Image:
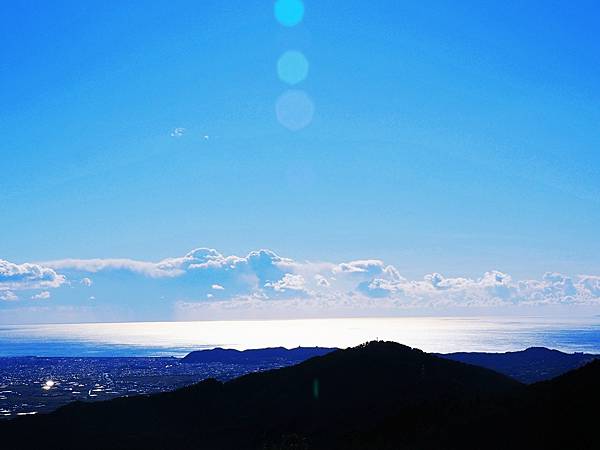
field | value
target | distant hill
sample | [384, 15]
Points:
[528, 366]
[326, 402]
[256, 356]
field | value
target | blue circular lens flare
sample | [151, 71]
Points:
[289, 12]
[292, 67]
[294, 110]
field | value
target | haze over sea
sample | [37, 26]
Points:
[437, 334]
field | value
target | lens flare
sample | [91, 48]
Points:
[289, 12]
[292, 67]
[294, 110]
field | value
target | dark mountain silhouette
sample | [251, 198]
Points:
[377, 396]
[256, 356]
[321, 402]
[557, 414]
[528, 366]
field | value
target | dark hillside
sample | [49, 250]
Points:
[527, 366]
[556, 414]
[377, 396]
[325, 402]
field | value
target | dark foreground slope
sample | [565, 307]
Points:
[380, 395]
[558, 414]
[527, 366]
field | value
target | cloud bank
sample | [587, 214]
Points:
[205, 281]
[28, 276]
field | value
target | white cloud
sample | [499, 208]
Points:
[321, 281]
[98, 265]
[288, 282]
[28, 276]
[178, 132]
[270, 275]
[369, 266]
[8, 296]
[591, 285]
[44, 295]
[215, 281]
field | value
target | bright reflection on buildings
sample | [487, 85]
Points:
[48, 385]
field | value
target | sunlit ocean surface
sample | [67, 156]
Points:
[178, 338]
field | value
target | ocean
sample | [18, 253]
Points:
[431, 334]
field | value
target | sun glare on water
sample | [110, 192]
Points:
[442, 335]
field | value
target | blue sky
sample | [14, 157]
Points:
[447, 137]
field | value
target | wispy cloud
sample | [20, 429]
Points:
[8, 296]
[92, 266]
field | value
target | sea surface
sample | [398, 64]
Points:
[437, 334]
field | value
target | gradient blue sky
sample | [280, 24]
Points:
[451, 137]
